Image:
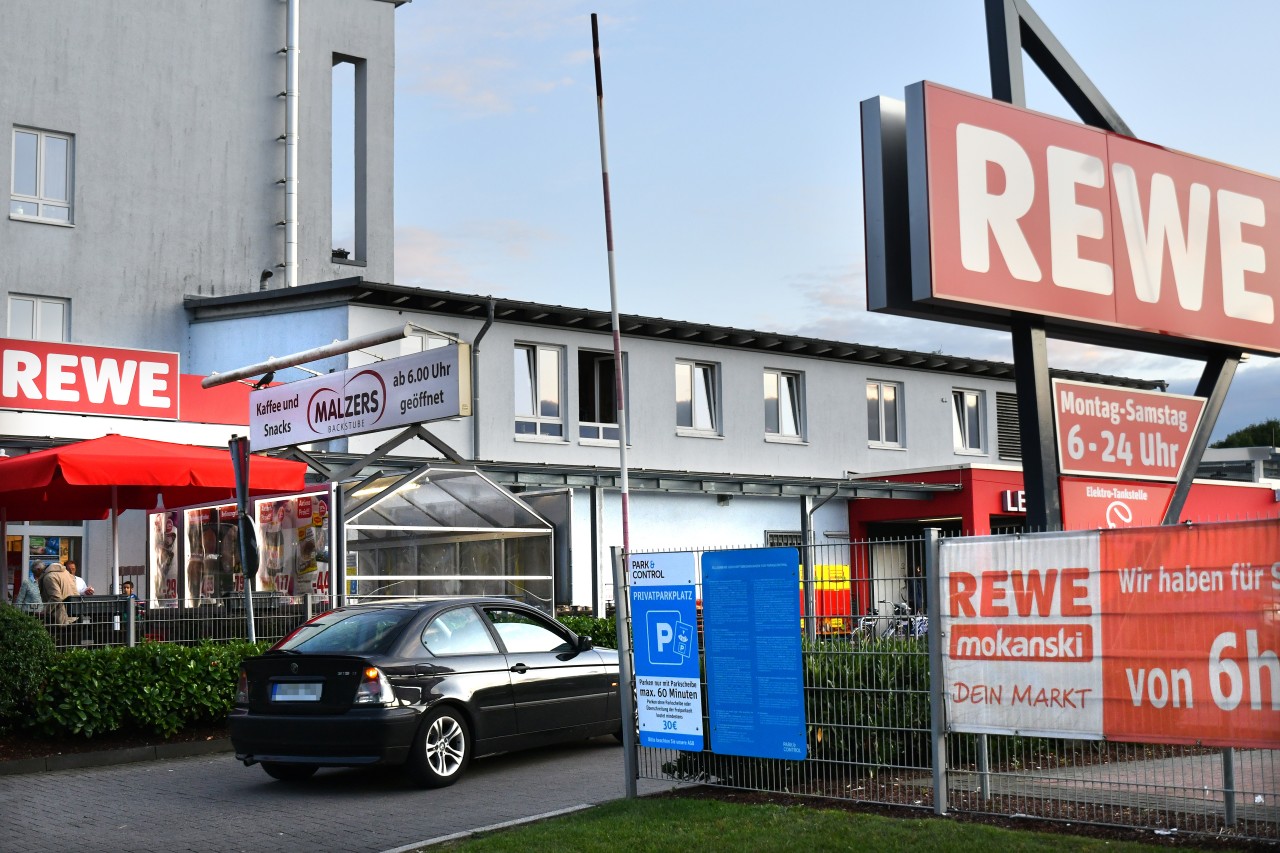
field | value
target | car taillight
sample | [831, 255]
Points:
[374, 688]
[242, 688]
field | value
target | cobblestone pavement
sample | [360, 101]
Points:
[213, 803]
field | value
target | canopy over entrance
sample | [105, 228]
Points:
[445, 531]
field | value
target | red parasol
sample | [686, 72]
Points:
[90, 479]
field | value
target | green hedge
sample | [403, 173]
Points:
[156, 688]
[26, 652]
[603, 632]
[866, 709]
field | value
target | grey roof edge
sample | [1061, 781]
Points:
[356, 290]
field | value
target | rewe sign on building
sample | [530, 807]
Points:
[46, 376]
[1014, 211]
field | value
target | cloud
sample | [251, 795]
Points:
[487, 57]
[425, 258]
[1254, 397]
[458, 260]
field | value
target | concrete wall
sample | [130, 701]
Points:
[175, 112]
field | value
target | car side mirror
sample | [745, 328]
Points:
[585, 644]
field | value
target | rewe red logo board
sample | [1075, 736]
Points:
[89, 380]
[1032, 213]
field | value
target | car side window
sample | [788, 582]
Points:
[458, 632]
[523, 632]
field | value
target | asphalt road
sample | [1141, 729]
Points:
[213, 803]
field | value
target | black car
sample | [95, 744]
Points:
[428, 684]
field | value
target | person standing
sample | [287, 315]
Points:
[56, 586]
[82, 588]
[29, 594]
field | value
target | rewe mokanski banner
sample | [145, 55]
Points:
[1159, 634]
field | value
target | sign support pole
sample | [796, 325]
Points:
[1035, 423]
[1215, 381]
[626, 680]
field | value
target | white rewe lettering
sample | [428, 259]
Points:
[20, 372]
[1239, 257]
[982, 212]
[151, 384]
[58, 375]
[1163, 228]
[1068, 168]
[108, 375]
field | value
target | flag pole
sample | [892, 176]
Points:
[619, 391]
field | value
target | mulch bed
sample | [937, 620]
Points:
[24, 745]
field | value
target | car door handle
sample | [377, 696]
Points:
[520, 668]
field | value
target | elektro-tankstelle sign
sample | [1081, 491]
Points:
[425, 386]
[1009, 211]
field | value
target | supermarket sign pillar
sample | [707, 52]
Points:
[979, 211]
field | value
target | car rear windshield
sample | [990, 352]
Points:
[350, 632]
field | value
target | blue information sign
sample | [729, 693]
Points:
[755, 675]
[664, 630]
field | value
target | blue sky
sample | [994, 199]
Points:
[734, 149]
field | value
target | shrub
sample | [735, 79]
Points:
[603, 632]
[152, 687]
[26, 652]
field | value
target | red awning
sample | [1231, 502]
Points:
[75, 481]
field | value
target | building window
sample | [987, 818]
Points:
[696, 397]
[347, 164]
[783, 409]
[884, 414]
[538, 384]
[41, 176]
[966, 420]
[39, 318]
[597, 395]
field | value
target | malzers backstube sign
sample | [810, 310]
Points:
[428, 386]
[1009, 211]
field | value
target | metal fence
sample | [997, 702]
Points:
[117, 621]
[870, 729]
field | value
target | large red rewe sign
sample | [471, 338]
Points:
[1030, 213]
[91, 380]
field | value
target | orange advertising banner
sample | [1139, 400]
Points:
[1152, 635]
[1191, 633]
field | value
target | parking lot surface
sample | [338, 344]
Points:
[213, 803]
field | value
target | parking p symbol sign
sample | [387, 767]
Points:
[662, 637]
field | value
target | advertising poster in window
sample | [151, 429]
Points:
[213, 554]
[1158, 635]
[164, 555]
[291, 533]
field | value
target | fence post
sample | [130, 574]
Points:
[984, 767]
[622, 616]
[308, 598]
[1229, 786]
[937, 701]
[806, 562]
[131, 635]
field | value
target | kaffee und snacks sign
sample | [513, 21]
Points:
[1159, 634]
[1022, 212]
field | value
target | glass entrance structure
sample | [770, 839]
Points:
[444, 531]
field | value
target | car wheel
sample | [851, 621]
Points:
[441, 750]
[289, 772]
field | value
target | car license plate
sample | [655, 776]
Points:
[296, 691]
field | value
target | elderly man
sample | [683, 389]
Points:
[56, 586]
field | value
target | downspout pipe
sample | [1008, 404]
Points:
[291, 148]
[475, 378]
